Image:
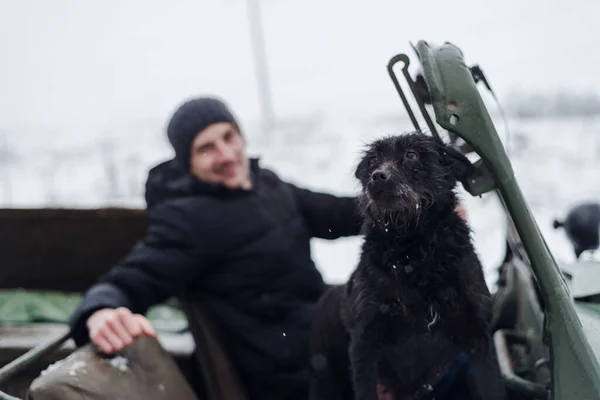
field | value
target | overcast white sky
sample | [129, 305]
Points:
[73, 65]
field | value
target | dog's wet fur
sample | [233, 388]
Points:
[418, 297]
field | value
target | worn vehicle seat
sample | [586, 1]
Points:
[143, 370]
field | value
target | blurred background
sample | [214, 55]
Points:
[86, 89]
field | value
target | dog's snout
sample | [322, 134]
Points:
[380, 175]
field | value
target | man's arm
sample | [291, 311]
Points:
[156, 269]
[329, 216]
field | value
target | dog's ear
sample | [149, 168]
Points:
[456, 162]
[361, 168]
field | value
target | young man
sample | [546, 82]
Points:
[226, 231]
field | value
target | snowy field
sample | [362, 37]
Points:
[86, 88]
[555, 161]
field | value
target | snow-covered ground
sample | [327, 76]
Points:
[555, 161]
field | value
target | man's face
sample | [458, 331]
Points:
[218, 156]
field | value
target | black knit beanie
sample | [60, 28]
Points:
[191, 118]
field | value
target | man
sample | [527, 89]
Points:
[224, 230]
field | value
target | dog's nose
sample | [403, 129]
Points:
[380, 175]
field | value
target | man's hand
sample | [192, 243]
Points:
[113, 329]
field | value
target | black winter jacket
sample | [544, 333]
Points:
[247, 254]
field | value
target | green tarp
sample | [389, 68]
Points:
[22, 306]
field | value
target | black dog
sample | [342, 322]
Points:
[581, 226]
[414, 318]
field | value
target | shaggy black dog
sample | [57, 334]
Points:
[413, 321]
[581, 226]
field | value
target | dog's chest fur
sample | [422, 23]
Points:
[409, 286]
[418, 301]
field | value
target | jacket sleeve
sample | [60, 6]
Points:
[329, 216]
[157, 268]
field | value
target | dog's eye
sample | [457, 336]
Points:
[372, 161]
[411, 155]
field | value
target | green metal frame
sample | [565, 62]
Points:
[459, 108]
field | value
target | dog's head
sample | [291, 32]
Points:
[408, 173]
